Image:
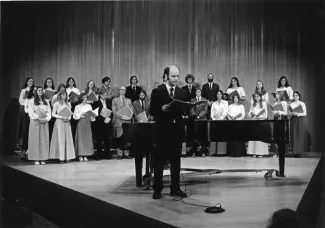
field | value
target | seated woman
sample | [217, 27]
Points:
[258, 111]
[298, 113]
[219, 111]
[236, 111]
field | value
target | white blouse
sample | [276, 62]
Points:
[74, 89]
[296, 103]
[240, 90]
[32, 110]
[285, 107]
[219, 110]
[57, 107]
[255, 110]
[80, 109]
[288, 89]
[265, 98]
[235, 109]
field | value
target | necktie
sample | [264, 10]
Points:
[190, 87]
[123, 102]
[142, 105]
[210, 86]
[171, 92]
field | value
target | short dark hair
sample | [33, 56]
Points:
[101, 91]
[81, 97]
[105, 79]
[166, 71]
[189, 76]
[296, 92]
[198, 88]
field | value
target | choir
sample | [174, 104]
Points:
[63, 123]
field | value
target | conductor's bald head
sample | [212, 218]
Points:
[172, 74]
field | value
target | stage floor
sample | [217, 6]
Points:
[248, 198]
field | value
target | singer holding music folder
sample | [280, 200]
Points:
[38, 138]
[297, 112]
[169, 132]
[62, 147]
[103, 124]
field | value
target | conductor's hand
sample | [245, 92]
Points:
[165, 107]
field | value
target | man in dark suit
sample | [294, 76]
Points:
[189, 88]
[209, 92]
[102, 126]
[170, 132]
[133, 91]
[164, 77]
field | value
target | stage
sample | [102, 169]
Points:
[248, 198]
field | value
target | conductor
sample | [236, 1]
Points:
[170, 132]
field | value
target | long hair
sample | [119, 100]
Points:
[87, 87]
[45, 83]
[132, 77]
[236, 79]
[31, 91]
[67, 83]
[296, 92]
[263, 91]
[36, 97]
[279, 82]
[233, 99]
[255, 102]
[60, 99]
[59, 88]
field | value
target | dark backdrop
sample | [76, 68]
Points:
[86, 40]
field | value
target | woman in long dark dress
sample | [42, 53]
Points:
[298, 126]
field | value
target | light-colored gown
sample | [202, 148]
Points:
[83, 140]
[258, 147]
[242, 93]
[219, 111]
[38, 136]
[62, 147]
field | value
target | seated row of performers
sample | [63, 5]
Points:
[234, 110]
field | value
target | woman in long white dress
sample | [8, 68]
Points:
[258, 111]
[38, 138]
[219, 111]
[62, 147]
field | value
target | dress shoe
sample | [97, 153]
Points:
[119, 157]
[99, 158]
[156, 195]
[127, 157]
[179, 193]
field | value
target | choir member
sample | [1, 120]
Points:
[119, 103]
[170, 132]
[235, 85]
[279, 115]
[198, 112]
[261, 90]
[283, 85]
[106, 85]
[25, 95]
[298, 126]
[62, 147]
[141, 148]
[49, 85]
[258, 111]
[72, 87]
[60, 89]
[219, 111]
[209, 92]
[91, 88]
[133, 90]
[236, 111]
[103, 125]
[38, 138]
[83, 140]
[189, 88]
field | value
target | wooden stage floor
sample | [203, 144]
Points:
[248, 198]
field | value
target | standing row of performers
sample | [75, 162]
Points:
[73, 137]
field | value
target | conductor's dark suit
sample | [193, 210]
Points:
[170, 132]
